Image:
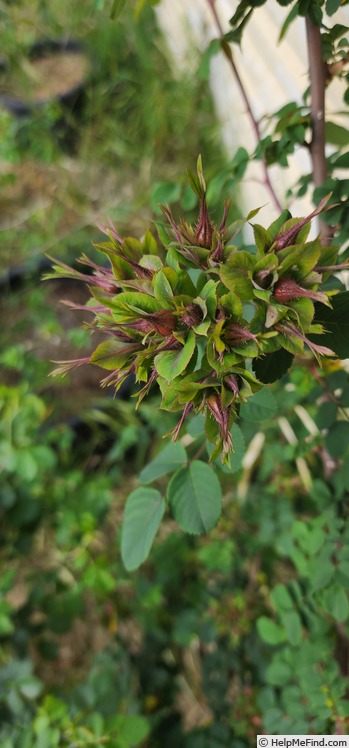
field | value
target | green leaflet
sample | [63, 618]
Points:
[288, 257]
[189, 390]
[232, 304]
[281, 598]
[211, 428]
[307, 261]
[131, 729]
[132, 248]
[273, 366]
[195, 255]
[144, 511]
[293, 626]
[167, 461]
[262, 238]
[162, 289]
[170, 364]
[111, 355]
[303, 311]
[163, 233]
[248, 349]
[235, 274]
[208, 294]
[270, 632]
[336, 324]
[151, 262]
[337, 438]
[260, 407]
[291, 343]
[195, 498]
[121, 268]
[169, 396]
[335, 602]
[202, 328]
[184, 285]
[279, 223]
[224, 364]
[135, 301]
[149, 244]
[269, 262]
[302, 257]
[262, 295]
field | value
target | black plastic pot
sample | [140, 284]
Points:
[15, 278]
[70, 100]
[27, 277]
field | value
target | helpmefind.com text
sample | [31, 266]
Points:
[302, 741]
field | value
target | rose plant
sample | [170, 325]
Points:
[210, 323]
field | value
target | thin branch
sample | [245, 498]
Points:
[317, 75]
[254, 122]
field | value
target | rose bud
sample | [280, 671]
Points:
[192, 316]
[287, 289]
[204, 229]
[236, 334]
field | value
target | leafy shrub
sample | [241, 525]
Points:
[246, 629]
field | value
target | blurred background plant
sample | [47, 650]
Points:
[215, 639]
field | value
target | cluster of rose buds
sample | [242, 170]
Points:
[194, 313]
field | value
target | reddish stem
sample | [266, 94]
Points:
[317, 76]
[254, 122]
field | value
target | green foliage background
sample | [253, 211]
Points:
[216, 638]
